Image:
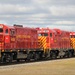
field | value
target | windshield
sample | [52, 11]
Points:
[43, 34]
[1, 30]
[72, 36]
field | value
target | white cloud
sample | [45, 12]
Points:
[64, 22]
[63, 25]
[41, 1]
[62, 10]
[3, 22]
[39, 15]
[10, 8]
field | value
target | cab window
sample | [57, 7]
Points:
[6, 31]
[50, 34]
[43, 34]
[1, 30]
[72, 36]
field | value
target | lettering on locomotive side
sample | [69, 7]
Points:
[12, 39]
[55, 40]
[23, 36]
[65, 38]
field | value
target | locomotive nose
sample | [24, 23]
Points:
[1, 36]
[1, 42]
[1, 33]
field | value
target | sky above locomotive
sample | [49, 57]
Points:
[39, 13]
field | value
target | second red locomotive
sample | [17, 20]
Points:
[55, 42]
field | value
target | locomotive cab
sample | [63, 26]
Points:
[4, 38]
[7, 40]
[4, 35]
[45, 37]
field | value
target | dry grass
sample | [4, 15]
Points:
[54, 67]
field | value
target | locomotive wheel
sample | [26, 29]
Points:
[10, 58]
[69, 54]
[53, 55]
[18, 60]
[36, 57]
[3, 59]
[29, 56]
[7, 57]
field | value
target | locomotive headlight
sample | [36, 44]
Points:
[1, 26]
[46, 31]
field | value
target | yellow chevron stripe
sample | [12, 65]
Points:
[42, 42]
[73, 42]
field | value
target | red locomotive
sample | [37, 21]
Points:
[18, 42]
[55, 42]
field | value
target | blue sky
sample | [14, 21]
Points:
[39, 13]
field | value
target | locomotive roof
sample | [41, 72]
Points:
[13, 27]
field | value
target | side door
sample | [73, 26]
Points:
[13, 38]
[7, 36]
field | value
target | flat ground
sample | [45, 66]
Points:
[52, 67]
